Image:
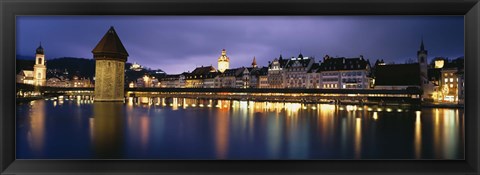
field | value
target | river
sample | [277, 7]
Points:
[174, 128]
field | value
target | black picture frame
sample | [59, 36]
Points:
[9, 9]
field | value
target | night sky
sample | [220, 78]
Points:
[178, 44]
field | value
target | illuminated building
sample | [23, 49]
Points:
[345, 73]
[276, 73]
[449, 84]
[136, 67]
[170, 81]
[110, 56]
[38, 76]
[223, 61]
[40, 69]
[313, 77]
[255, 74]
[196, 78]
[233, 78]
[296, 71]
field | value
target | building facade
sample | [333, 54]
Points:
[345, 73]
[276, 73]
[296, 72]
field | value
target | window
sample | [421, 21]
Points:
[39, 60]
[446, 80]
[451, 85]
[451, 79]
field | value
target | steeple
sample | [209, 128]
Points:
[422, 47]
[110, 47]
[254, 63]
[40, 49]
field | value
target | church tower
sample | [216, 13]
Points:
[110, 56]
[423, 64]
[223, 61]
[254, 63]
[40, 69]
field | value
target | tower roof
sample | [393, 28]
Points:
[254, 62]
[110, 47]
[422, 47]
[40, 49]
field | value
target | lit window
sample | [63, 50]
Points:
[451, 79]
[446, 80]
[451, 85]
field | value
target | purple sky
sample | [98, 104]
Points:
[180, 43]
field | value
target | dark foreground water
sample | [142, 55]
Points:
[210, 129]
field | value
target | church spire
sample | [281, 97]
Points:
[254, 62]
[422, 47]
[40, 49]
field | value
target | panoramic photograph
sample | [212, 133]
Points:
[240, 87]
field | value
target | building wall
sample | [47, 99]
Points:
[313, 81]
[449, 85]
[263, 81]
[40, 71]
[330, 80]
[109, 80]
[354, 79]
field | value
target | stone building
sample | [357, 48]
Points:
[110, 56]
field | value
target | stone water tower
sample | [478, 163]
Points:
[110, 56]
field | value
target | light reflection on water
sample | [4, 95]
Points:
[177, 128]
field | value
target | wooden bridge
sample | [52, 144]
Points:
[294, 95]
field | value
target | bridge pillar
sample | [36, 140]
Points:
[110, 57]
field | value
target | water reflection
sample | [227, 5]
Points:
[36, 134]
[108, 129]
[418, 134]
[179, 128]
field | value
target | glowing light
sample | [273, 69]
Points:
[341, 108]
[209, 105]
[369, 109]
[379, 109]
[375, 115]
[389, 110]
[399, 110]
[194, 105]
[201, 105]
[313, 107]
